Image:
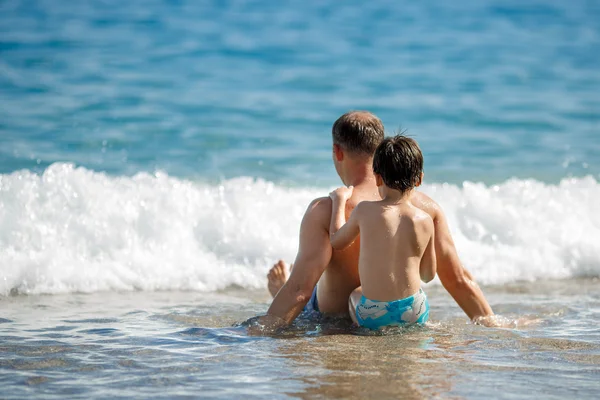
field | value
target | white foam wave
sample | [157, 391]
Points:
[525, 230]
[75, 230]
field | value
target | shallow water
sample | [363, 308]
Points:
[156, 154]
[185, 344]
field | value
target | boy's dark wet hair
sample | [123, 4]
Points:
[358, 132]
[399, 161]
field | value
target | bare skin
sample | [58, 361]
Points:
[277, 277]
[340, 268]
[397, 249]
[457, 280]
[336, 271]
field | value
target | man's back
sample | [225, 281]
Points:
[341, 276]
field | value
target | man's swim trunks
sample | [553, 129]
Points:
[374, 314]
[313, 304]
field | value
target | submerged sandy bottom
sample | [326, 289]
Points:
[185, 344]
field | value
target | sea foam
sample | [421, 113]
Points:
[75, 230]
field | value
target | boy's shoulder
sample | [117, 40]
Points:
[422, 219]
[366, 205]
[365, 209]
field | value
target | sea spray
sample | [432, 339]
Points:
[71, 229]
[75, 230]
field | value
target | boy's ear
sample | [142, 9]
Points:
[338, 153]
[378, 180]
[420, 179]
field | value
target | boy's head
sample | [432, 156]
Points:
[399, 162]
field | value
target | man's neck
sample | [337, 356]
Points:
[360, 174]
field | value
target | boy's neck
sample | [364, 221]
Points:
[395, 196]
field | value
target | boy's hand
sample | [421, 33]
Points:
[341, 194]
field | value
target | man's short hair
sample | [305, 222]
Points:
[399, 161]
[358, 132]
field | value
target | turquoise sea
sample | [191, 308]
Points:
[156, 158]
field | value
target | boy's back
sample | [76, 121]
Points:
[396, 240]
[393, 240]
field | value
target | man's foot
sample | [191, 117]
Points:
[278, 276]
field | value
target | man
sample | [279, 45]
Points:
[356, 135]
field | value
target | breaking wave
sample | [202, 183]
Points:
[75, 230]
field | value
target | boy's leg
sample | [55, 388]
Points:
[353, 301]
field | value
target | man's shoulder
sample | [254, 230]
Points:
[319, 210]
[427, 204]
[320, 204]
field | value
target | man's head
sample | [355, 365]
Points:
[399, 162]
[358, 133]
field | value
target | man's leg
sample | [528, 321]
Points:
[278, 276]
[353, 302]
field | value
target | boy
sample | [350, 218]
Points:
[396, 240]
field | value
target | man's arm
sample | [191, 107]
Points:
[428, 265]
[456, 280]
[314, 254]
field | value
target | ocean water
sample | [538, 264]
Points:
[156, 158]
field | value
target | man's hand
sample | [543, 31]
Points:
[264, 325]
[341, 194]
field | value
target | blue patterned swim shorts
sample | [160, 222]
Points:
[375, 314]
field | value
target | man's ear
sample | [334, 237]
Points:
[420, 179]
[338, 153]
[378, 180]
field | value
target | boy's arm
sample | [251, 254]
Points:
[342, 233]
[314, 254]
[346, 234]
[428, 266]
